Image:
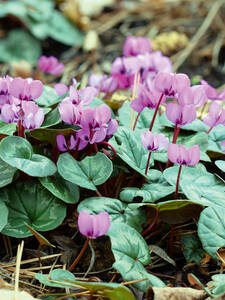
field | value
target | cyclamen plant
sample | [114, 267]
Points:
[65, 146]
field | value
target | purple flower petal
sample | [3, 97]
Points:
[85, 224]
[194, 155]
[61, 143]
[101, 224]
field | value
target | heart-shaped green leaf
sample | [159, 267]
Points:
[57, 278]
[7, 128]
[187, 173]
[62, 30]
[4, 215]
[63, 278]
[49, 135]
[52, 118]
[204, 188]
[193, 251]
[119, 212]
[152, 192]
[216, 136]
[61, 188]
[18, 153]
[211, 229]
[220, 164]
[91, 171]
[217, 285]
[130, 149]
[16, 47]
[29, 202]
[15, 8]
[6, 173]
[131, 252]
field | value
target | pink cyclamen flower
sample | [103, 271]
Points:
[69, 113]
[180, 115]
[215, 116]
[93, 226]
[194, 95]
[29, 113]
[212, 93]
[171, 84]
[136, 45]
[154, 141]
[178, 154]
[50, 65]
[81, 97]
[24, 89]
[96, 124]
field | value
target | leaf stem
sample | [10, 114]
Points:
[178, 179]
[153, 223]
[148, 161]
[110, 146]
[175, 136]
[155, 113]
[78, 258]
[98, 193]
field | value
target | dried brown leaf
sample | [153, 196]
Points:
[176, 293]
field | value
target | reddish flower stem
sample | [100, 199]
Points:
[76, 150]
[20, 129]
[96, 147]
[209, 130]
[178, 179]
[155, 113]
[135, 123]
[78, 258]
[153, 223]
[110, 146]
[148, 161]
[175, 136]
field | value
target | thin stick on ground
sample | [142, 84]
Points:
[202, 30]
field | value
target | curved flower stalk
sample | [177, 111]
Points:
[178, 154]
[153, 142]
[91, 226]
[50, 65]
[216, 116]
